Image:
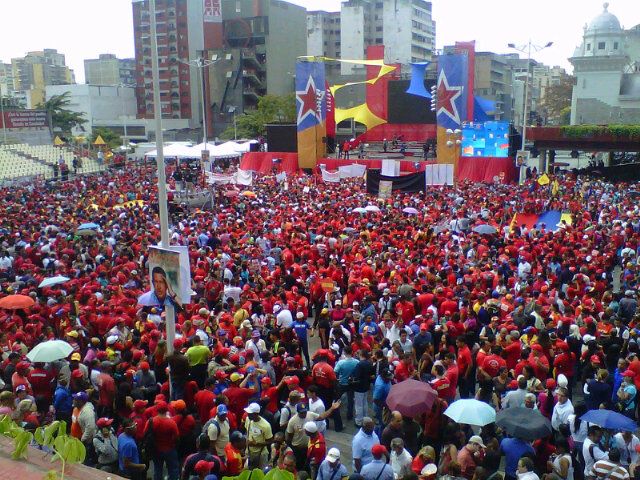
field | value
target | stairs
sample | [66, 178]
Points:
[29, 157]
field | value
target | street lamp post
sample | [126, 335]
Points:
[202, 63]
[162, 179]
[526, 49]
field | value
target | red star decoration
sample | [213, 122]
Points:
[446, 98]
[308, 99]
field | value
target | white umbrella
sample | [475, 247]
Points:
[410, 210]
[359, 210]
[371, 208]
[50, 351]
[48, 282]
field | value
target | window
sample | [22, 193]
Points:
[584, 83]
[378, 40]
[602, 45]
[588, 47]
[615, 45]
[238, 6]
[378, 29]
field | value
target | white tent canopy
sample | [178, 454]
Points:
[177, 150]
[227, 149]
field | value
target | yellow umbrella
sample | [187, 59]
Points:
[248, 193]
[58, 141]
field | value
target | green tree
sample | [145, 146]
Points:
[61, 116]
[271, 109]
[557, 100]
[111, 138]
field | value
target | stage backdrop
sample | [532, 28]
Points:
[412, 183]
[311, 105]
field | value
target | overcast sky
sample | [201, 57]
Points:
[84, 28]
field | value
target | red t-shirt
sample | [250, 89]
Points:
[441, 385]
[464, 359]
[316, 450]
[323, 375]
[234, 460]
[165, 433]
[492, 363]
[238, 399]
[107, 390]
[512, 352]
[41, 383]
[204, 401]
[452, 375]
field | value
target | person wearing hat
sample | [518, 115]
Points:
[238, 393]
[202, 454]
[256, 344]
[296, 436]
[63, 400]
[20, 376]
[301, 329]
[217, 429]
[331, 467]
[378, 468]
[316, 449]
[470, 456]
[259, 437]
[105, 444]
[627, 394]
[129, 463]
[83, 419]
[145, 381]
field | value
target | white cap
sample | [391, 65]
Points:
[253, 408]
[338, 302]
[477, 439]
[299, 315]
[111, 339]
[276, 308]
[429, 469]
[333, 455]
[311, 427]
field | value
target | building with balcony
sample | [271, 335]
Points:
[494, 81]
[255, 56]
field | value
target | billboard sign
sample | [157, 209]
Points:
[25, 119]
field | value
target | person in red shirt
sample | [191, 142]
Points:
[317, 448]
[234, 453]
[238, 394]
[466, 382]
[165, 435]
[452, 372]
[441, 383]
[205, 399]
[107, 390]
[538, 361]
[139, 417]
[42, 382]
[512, 349]
[491, 364]
[324, 378]
[186, 426]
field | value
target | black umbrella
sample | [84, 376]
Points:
[524, 423]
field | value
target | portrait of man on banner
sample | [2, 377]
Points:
[165, 278]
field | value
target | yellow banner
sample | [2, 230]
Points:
[360, 114]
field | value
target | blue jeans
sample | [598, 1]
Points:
[173, 467]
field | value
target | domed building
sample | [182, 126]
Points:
[607, 70]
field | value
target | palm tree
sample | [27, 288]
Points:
[59, 114]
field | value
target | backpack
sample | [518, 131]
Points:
[211, 421]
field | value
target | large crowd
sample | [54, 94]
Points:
[525, 317]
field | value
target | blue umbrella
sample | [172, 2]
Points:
[89, 226]
[610, 420]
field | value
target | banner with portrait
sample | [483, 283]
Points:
[169, 276]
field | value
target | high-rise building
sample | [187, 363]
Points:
[33, 72]
[405, 27]
[494, 81]
[323, 37]
[179, 28]
[607, 70]
[107, 69]
[6, 79]
[254, 55]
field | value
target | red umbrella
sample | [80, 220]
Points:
[16, 302]
[411, 397]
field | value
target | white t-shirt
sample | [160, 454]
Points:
[284, 319]
[317, 407]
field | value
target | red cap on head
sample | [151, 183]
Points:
[378, 450]
[144, 366]
[595, 359]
